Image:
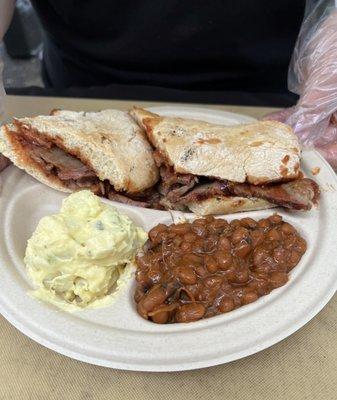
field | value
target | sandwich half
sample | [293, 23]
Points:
[216, 169]
[104, 151]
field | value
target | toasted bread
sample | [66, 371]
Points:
[259, 152]
[228, 205]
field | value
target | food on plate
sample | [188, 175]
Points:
[79, 257]
[194, 270]
[103, 151]
[216, 169]
[196, 166]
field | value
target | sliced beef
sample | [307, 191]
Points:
[151, 201]
[67, 166]
[4, 162]
[298, 195]
[170, 180]
[205, 191]
[176, 195]
[126, 200]
[32, 137]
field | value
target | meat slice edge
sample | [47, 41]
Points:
[300, 194]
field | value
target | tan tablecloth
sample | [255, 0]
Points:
[303, 366]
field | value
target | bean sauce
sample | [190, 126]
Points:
[190, 271]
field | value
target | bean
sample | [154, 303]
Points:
[264, 287]
[248, 223]
[231, 274]
[139, 293]
[210, 243]
[224, 259]
[294, 258]
[190, 260]
[224, 243]
[211, 263]
[226, 304]
[290, 242]
[190, 312]
[200, 230]
[287, 228]
[143, 261]
[180, 229]
[240, 234]
[209, 219]
[199, 221]
[154, 297]
[275, 219]
[278, 279]
[264, 223]
[281, 255]
[273, 234]
[242, 249]
[249, 297]
[217, 225]
[212, 281]
[177, 241]
[190, 237]
[200, 271]
[235, 223]
[186, 247]
[187, 276]
[301, 245]
[263, 268]
[160, 317]
[142, 278]
[154, 274]
[260, 275]
[156, 233]
[257, 237]
[242, 276]
[259, 255]
[198, 247]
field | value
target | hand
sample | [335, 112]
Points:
[314, 118]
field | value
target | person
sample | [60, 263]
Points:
[197, 45]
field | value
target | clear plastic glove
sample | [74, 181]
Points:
[313, 75]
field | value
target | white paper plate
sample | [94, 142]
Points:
[117, 336]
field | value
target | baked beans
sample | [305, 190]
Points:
[191, 271]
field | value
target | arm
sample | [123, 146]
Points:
[6, 13]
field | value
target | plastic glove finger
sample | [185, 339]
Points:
[280, 115]
[328, 136]
[329, 152]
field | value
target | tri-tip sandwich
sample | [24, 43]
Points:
[104, 151]
[216, 169]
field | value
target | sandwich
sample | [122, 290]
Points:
[106, 152]
[215, 169]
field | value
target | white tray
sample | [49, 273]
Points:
[117, 336]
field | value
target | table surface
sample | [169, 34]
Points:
[303, 366]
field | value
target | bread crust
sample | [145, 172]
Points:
[228, 205]
[259, 152]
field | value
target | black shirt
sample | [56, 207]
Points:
[185, 44]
